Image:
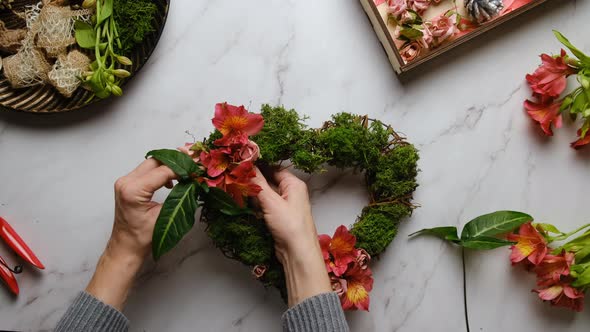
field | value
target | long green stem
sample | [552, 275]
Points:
[567, 235]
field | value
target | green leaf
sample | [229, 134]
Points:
[85, 35]
[493, 224]
[579, 104]
[180, 163]
[176, 218]
[106, 11]
[549, 228]
[484, 243]
[567, 102]
[219, 200]
[579, 54]
[582, 275]
[411, 33]
[446, 233]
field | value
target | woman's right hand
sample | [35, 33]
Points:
[287, 213]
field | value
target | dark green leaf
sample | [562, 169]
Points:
[180, 163]
[411, 33]
[484, 243]
[85, 35]
[579, 54]
[176, 218]
[219, 200]
[446, 233]
[106, 11]
[493, 224]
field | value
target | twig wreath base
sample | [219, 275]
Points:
[387, 160]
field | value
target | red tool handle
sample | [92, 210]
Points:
[17, 244]
[8, 277]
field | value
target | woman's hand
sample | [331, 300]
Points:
[131, 238]
[287, 213]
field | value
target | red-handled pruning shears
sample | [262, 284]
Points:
[19, 246]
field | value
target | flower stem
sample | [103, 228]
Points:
[465, 289]
[567, 235]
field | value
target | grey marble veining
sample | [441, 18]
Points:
[479, 153]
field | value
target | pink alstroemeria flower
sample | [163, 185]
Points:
[529, 244]
[338, 251]
[216, 161]
[236, 124]
[359, 284]
[563, 295]
[553, 267]
[545, 114]
[582, 141]
[549, 79]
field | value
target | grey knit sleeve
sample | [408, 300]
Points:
[321, 313]
[88, 314]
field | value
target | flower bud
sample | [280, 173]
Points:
[125, 61]
[121, 73]
[116, 90]
[111, 78]
[89, 3]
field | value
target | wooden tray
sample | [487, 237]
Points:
[400, 67]
[45, 99]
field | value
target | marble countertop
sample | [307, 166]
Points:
[479, 153]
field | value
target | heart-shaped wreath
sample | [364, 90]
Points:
[215, 174]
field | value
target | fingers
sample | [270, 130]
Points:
[267, 196]
[156, 179]
[146, 166]
[291, 187]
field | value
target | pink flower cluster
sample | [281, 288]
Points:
[230, 166]
[553, 271]
[348, 268]
[434, 32]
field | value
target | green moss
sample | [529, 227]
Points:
[245, 238]
[135, 19]
[349, 143]
[377, 226]
[282, 130]
[395, 173]
[212, 138]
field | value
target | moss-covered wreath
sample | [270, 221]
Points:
[216, 175]
[388, 162]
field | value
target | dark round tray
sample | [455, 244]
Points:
[44, 98]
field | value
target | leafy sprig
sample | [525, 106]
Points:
[177, 216]
[481, 232]
[104, 77]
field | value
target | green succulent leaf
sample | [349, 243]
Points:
[484, 243]
[579, 54]
[218, 199]
[85, 35]
[448, 233]
[493, 224]
[180, 163]
[176, 218]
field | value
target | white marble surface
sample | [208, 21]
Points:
[479, 153]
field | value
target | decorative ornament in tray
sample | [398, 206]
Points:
[415, 31]
[61, 55]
